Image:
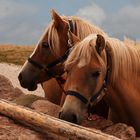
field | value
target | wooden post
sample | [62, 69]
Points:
[45, 123]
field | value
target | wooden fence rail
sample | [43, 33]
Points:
[45, 123]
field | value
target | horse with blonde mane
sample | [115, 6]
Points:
[101, 66]
[46, 61]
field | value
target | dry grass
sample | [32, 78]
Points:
[15, 54]
[18, 54]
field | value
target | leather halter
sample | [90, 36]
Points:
[55, 62]
[83, 99]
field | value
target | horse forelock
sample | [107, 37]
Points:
[125, 60]
[53, 39]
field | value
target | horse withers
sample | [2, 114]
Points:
[101, 66]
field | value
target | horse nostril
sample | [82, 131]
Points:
[20, 77]
[60, 114]
[74, 118]
[70, 117]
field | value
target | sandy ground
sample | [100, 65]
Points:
[11, 72]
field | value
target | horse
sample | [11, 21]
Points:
[98, 67]
[46, 61]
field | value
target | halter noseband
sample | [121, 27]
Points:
[85, 100]
[54, 63]
[57, 61]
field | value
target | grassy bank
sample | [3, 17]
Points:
[15, 54]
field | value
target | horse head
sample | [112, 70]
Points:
[86, 68]
[46, 60]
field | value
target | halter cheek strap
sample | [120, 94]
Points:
[70, 25]
[93, 98]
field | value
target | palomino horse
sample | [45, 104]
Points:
[46, 61]
[101, 65]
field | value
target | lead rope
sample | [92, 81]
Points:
[60, 80]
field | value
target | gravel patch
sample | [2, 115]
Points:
[11, 72]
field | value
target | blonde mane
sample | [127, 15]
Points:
[81, 27]
[125, 59]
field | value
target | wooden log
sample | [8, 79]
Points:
[45, 123]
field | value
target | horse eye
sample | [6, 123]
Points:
[96, 74]
[45, 44]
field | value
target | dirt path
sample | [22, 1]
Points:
[11, 72]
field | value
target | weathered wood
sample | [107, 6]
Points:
[45, 123]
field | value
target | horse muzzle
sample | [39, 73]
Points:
[69, 116]
[31, 85]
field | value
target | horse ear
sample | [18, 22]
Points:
[73, 38]
[58, 22]
[100, 43]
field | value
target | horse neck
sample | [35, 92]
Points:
[123, 97]
[124, 75]
[83, 29]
